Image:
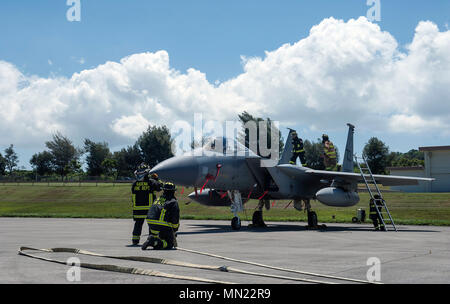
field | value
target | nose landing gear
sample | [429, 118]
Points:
[236, 206]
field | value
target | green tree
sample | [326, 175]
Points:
[63, 154]
[376, 152]
[415, 154]
[73, 167]
[96, 154]
[2, 165]
[42, 163]
[392, 158]
[109, 166]
[411, 158]
[127, 160]
[155, 145]
[404, 161]
[314, 154]
[246, 117]
[11, 158]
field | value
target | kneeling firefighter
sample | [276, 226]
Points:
[163, 220]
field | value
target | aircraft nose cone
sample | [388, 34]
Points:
[181, 170]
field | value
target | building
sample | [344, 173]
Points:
[437, 165]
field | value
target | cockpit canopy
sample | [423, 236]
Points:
[227, 146]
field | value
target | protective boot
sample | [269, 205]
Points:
[145, 245]
[135, 239]
[175, 243]
[151, 241]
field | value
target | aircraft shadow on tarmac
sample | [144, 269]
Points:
[219, 228]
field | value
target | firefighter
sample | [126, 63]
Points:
[143, 196]
[329, 154]
[163, 220]
[375, 203]
[297, 150]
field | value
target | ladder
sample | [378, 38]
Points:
[384, 215]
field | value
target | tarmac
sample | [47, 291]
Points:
[414, 254]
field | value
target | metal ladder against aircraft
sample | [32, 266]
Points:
[378, 201]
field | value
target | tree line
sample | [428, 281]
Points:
[380, 158]
[375, 151]
[63, 158]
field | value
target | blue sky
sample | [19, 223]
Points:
[209, 36]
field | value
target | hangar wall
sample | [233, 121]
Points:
[411, 172]
[437, 165]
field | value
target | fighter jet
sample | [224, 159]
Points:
[233, 175]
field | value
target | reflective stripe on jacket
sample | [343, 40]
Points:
[142, 197]
[297, 146]
[166, 214]
[330, 152]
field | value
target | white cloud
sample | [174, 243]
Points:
[412, 123]
[130, 126]
[342, 72]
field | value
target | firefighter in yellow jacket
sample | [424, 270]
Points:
[329, 154]
[143, 196]
[374, 204]
[163, 220]
[298, 150]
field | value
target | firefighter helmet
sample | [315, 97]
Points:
[142, 171]
[169, 187]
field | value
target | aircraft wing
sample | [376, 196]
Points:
[385, 180]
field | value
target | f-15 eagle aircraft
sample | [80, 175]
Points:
[234, 175]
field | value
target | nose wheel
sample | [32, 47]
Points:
[236, 223]
[236, 206]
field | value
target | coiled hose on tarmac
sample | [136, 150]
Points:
[149, 272]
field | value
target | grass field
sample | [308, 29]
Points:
[108, 201]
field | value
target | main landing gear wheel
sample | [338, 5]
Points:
[313, 222]
[257, 219]
[312, 219]
[236, 223]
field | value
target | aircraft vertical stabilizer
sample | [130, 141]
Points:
[287, 152]
[347, 165]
